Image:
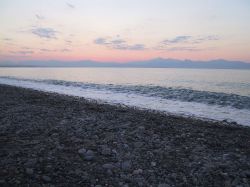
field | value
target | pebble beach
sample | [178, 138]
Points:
[48, 139]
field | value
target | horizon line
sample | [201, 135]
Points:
[122, 62]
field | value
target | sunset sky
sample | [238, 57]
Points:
[124, 30]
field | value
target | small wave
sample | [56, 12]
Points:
[181, 94]
[208, 105]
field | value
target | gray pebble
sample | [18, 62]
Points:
[163, 185]
[126, 165]
[89, 155]
[46, 178]
[138, 144]
[82, 151]
[106, 151]
[89, 152]
[153, 164]
[86, 154]
[137, 171]
[108, 166]
[29, 171]
[31, 162]
[109, 172]
[89, 158]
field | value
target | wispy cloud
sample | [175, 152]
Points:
[65, 50]
[119, 44]
[7, 39]
[42, 32]
[22, 52]
[190, 39]
[184, 49]
[68, 42]
[55, 50]
[101, 41]
[26, 48]
[177, 39]
[47, 50]
[135, 47]
[39, 17]
[186, 43]
[118, 41]
[201, 39]
[70, 5]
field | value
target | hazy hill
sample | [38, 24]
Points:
[154, 63]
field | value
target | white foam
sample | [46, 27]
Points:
[200, 110]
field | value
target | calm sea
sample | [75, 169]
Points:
[202, 93]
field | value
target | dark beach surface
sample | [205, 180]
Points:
[55, 140]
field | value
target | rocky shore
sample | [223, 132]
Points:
[55, 140]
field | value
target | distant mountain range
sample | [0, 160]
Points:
[154, 63]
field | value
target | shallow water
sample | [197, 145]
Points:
[211, 94]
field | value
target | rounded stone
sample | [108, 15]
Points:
[137, 171]
[108, 166]
[29, 171]
[126, 165]
[82, 151]
[46, 178]
[163, 185]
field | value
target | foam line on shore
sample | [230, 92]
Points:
[193, 109]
